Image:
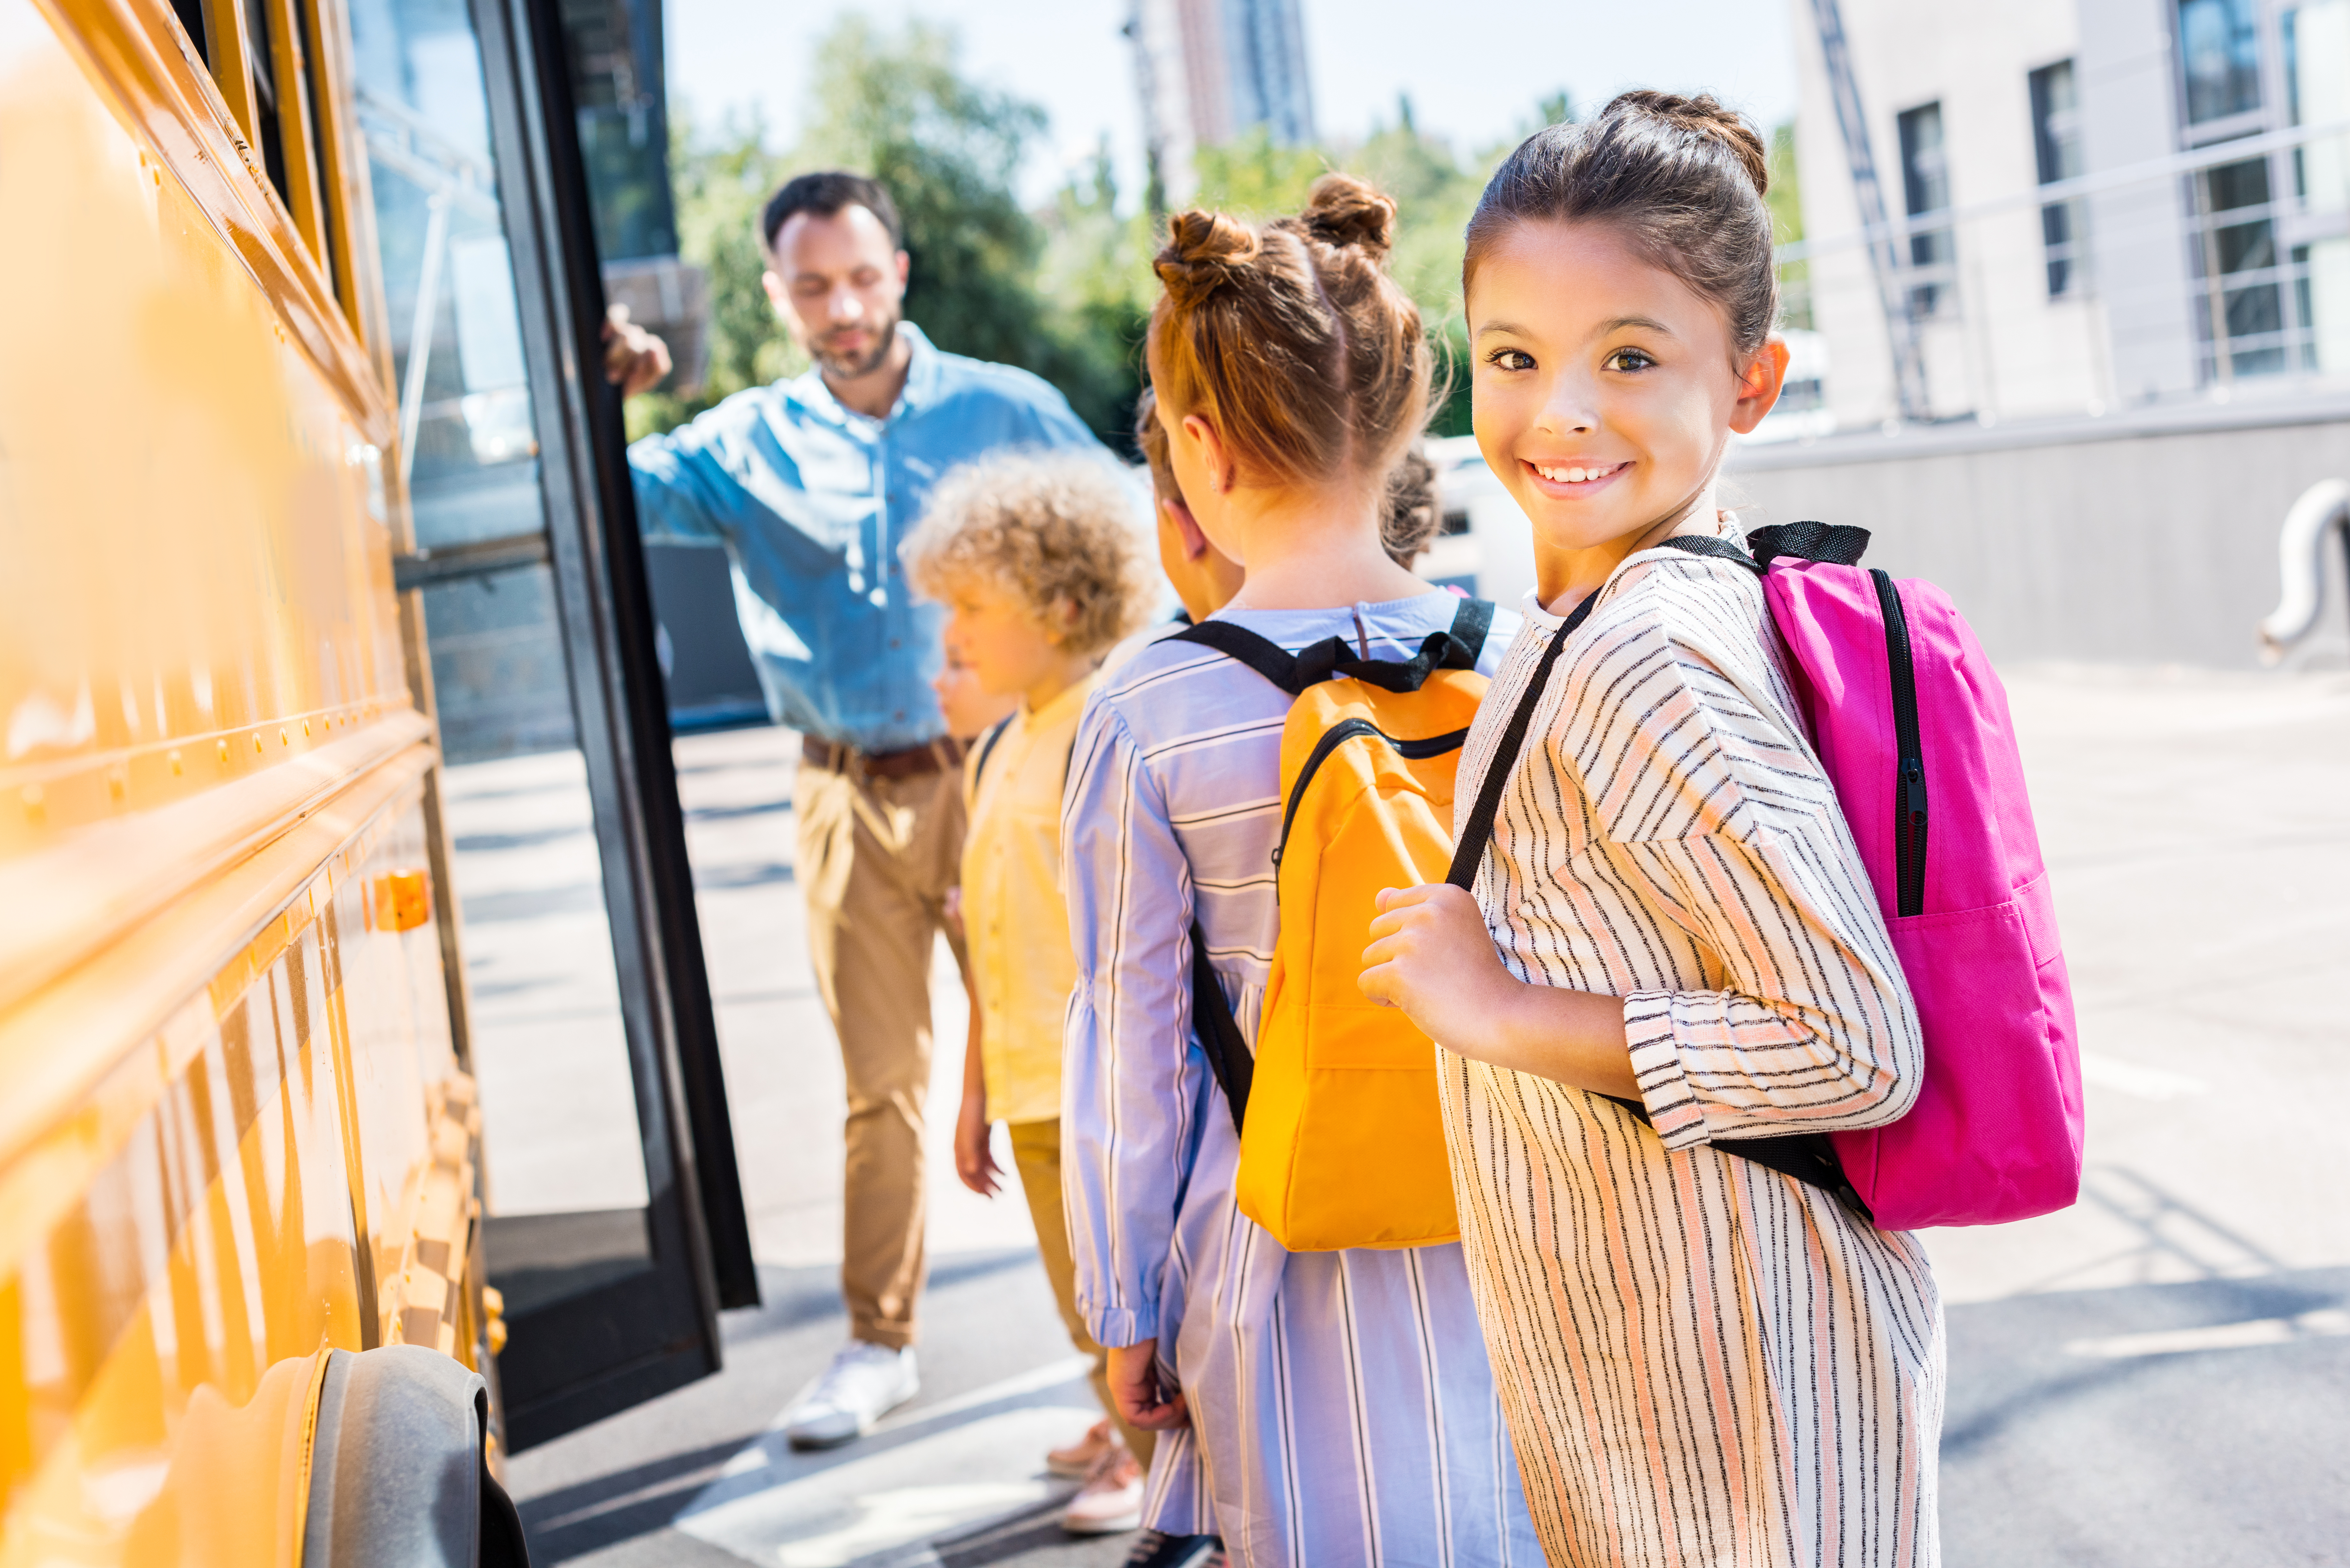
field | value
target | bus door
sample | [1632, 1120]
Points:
[614, 1224]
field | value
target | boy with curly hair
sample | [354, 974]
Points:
[1039, 562]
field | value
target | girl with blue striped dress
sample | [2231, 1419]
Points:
[1330, 1409]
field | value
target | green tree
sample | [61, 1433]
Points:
[896, 106]
[720, 189]
[1786, 201]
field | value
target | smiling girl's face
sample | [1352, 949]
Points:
[1606, 390]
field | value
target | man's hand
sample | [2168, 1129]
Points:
[1432, 956]
[634, 359]
[975, 1164]
[1145, 1399]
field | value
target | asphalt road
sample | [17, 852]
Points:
[2159, 1376]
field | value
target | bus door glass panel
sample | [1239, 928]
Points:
[587, 1219]
[563, 1164]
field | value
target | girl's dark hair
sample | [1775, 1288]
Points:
[1414, 509]
[1293, 336]
[1682, 178]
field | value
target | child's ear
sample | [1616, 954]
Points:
[1195, 538]
[1759, 384]
[1214, 455]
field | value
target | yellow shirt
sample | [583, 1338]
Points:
[1016, 925]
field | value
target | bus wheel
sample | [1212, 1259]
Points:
[400, 1472]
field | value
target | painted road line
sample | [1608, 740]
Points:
[767, 1449]
[885, 1509]
[2322, 1325]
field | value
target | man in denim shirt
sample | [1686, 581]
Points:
[809, 485]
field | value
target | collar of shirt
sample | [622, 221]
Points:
[1063, 705]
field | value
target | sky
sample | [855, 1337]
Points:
[1477, 86]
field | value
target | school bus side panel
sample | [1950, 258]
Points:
[231, 1129]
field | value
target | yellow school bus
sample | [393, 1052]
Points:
[249, 1256]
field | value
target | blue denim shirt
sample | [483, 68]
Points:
[811, 502]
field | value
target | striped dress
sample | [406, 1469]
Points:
[1703, 1362]
[1342, 1409]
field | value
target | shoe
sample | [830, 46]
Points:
[1110, 1502]
[864, 1383]
[1076, 1461]
[1153, 1548]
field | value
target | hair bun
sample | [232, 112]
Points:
[1349, 212]
[1706, 116]
[1203, 251]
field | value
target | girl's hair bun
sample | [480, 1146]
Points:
[1203, 251]
[1350, 213]
[1709, 117]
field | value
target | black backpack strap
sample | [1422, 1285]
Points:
[1832, 543]
[1479, 831]
[1472, 622]
[1707, 544]
[1219, 1032]
[1265, 656]
[1457, 648]
[1807, 1156]
[987, 748]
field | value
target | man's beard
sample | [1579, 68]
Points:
[841, 368]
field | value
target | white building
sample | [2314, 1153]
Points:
[2092, 205]
[1211, 70]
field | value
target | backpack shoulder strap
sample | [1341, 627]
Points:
[1707, 544]
[987, 749]
[1457, 648]
[1479, 830]
[1265, 656]
[1832, 543]
[1472, 622]
[1219, 1032]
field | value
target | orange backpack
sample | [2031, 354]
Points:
[1342, 1143]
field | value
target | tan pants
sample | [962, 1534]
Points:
[1036, 1154]
[876, 860]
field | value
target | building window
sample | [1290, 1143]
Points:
[1926, 190]
[2220, 42]
[2056, 144]
[2243, 297]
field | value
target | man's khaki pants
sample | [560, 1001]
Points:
[876, 860]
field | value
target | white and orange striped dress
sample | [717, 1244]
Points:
[1702, 1362]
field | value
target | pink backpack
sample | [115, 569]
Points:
[1912, 728]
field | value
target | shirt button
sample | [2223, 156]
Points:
[900, 718]
[893, 643]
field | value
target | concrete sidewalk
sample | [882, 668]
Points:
[2160, 1374]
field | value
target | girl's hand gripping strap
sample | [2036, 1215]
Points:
[1809, 1157]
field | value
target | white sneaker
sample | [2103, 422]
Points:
[1110, 1502]
[864, 1383]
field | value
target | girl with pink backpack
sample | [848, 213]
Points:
[1700, 945]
